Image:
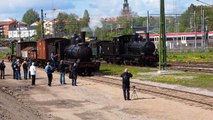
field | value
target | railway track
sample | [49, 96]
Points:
[195, 99]
[205, 67]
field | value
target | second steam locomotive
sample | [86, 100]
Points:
[128, 50]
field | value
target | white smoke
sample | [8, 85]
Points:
[94, 23]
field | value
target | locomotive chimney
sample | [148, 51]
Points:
[83, 35]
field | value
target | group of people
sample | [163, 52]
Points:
[16, 67]
[30, 69]
[49, 69]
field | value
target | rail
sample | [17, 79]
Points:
[204, 101]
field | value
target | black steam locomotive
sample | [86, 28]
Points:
[79, 52]
[128, 50]
[71, 51]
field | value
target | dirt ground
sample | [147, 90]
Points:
[87, 101]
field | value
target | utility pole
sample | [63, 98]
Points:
[204, 27]
[162, 53]
[42, 24]
[195, 29]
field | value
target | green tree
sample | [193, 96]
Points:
[139, 21]
[67, 24]
[72, 25]
[62, 16]
[60, 24]
[209, 17]
[30, 16]
[38, 33]
[85, 20]
[186, 20]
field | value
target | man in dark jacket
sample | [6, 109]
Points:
[13, 65]
[25, 69]
[18, 70]
[49, 70]
[74, 74]
[62, 72]
[126, 84]
[2, 68]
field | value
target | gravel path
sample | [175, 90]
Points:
[87, 101]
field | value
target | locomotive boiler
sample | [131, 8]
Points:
[79, 51]
[128, 49]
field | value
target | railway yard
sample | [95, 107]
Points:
[128, 66]
[100, 97]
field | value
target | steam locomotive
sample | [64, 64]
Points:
[71, 51]
[128, 50]
[81, 53]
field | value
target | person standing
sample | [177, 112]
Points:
[74, 74]
[2, 68]
[25, 69]
[13, 65]
[29, 62]
[126, 83]
[62, 72]
[49, 70]
[33, 73]
[18, 70]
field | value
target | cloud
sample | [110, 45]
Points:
[96, 8]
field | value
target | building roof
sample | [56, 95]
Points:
[10, 21]
[6, 22]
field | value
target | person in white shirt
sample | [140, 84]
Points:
[33, 73]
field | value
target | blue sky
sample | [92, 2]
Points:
[97, 8]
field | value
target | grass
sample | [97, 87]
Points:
[190, 57]
[117, 70]
[2, 55]
[188, 79]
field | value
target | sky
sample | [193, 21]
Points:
[96, 8]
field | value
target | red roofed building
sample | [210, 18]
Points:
[7, 24]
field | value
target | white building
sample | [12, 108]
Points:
[48, 27]
[22, 32]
